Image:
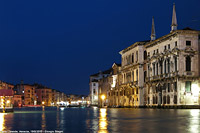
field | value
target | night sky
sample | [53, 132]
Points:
[60, 43]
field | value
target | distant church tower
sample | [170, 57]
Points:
[174, 20]
[153, 33]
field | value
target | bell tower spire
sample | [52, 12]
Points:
[153, 33]
[174, 20]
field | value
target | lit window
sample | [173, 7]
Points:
[188, 86]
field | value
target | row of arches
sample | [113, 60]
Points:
[165, 99]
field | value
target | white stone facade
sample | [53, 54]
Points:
[173, 69]
[161, 72]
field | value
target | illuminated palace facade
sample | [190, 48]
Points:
[158, 72]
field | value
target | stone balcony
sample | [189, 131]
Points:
[189, 73]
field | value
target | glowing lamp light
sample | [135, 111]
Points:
[103, 97]
[8, 101]
[43, 102]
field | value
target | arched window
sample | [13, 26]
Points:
[188, 63]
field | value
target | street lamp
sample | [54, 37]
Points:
[103, 97]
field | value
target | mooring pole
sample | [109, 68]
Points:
[4, 104]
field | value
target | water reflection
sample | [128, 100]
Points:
[57, 118]
[2, 121]
[103, 122]
[194, 121]
[43, 118]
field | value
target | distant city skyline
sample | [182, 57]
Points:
[61, 43]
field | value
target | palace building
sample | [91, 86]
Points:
[159, 72]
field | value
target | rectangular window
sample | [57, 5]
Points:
[175, 86]
[188, 43]
[133, 58]
[136, 75]
[94, 91]
[188, 86]
[157, 69]
[175, 64]
[133, 75]
[154, 70]
[168, 87]
[168, 65]
[168, 46]
[165, 47]
[165, 66]
[175, 43]
[145, 74]
[136, 56]
[157, 50]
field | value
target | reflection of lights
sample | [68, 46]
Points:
[194, 121]
[43, 121]
[2, 120]
[103, 123]
[62, 108]
[103, 113]
[95, 108]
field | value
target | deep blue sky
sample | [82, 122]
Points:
[59, 43]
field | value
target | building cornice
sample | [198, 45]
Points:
[170, 35]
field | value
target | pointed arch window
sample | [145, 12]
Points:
[188, 63]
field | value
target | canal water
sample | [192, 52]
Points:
[80, 120]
